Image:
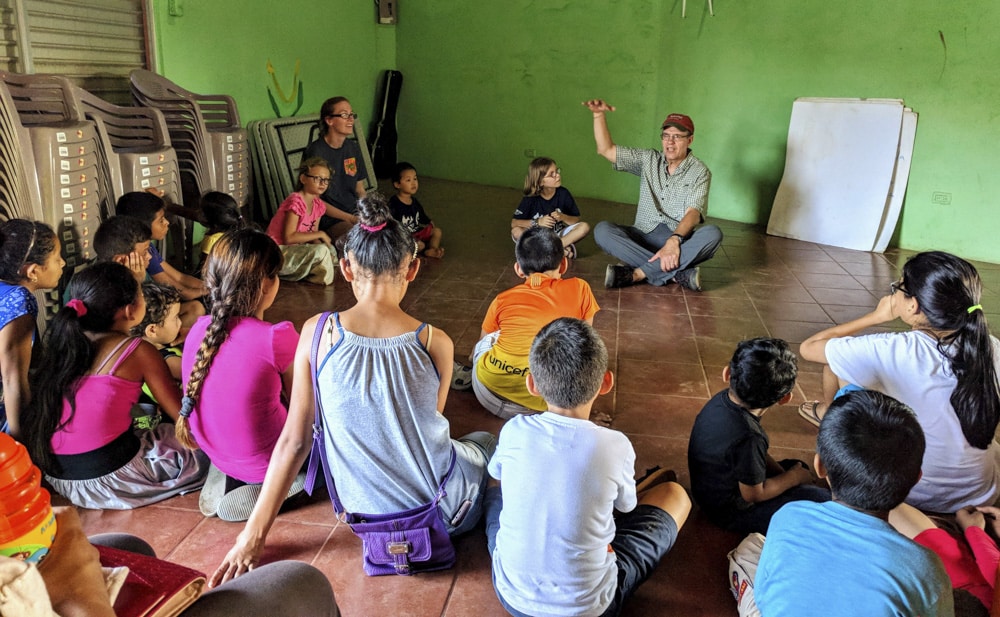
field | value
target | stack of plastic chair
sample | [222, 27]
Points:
[277, 146]
[73, 189]
[137, 146]
[205, 132]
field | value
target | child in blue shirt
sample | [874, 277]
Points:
[843, 557]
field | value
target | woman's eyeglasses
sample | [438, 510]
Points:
[345, 115]
[898, 286]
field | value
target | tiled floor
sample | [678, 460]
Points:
[667, 347]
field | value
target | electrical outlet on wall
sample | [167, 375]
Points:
[939, 198]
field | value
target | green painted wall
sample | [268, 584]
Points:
[486, 81]
[222, 46]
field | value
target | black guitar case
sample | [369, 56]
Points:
[383, 142]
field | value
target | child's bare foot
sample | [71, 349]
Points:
[436, 252]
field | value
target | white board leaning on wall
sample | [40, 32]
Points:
[846, 168]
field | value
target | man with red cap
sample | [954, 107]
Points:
[667, 240]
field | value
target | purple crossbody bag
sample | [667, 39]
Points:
[405, 543]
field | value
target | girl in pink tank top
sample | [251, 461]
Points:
[79, 428]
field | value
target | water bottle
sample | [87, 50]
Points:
[27, 523]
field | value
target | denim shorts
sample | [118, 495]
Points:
[642, 538]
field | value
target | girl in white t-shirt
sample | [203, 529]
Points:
[944, 368]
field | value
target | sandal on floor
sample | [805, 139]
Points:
[653, 476]
[808, 411]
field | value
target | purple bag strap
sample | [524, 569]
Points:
[317, 455]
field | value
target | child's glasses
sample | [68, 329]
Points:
[554, 173]
[318, 179]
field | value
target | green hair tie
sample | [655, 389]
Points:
[974, 307]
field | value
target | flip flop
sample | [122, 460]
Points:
[653, 476]
[808, 411]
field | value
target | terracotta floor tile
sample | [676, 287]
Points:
[668, 452]
[729, 328]
[723, 307]
[657, 414]
[640, 377]
[663, 346]
[788, 291]
[771, 311]
[794, 332]
[472, 593]
[829, 281]
[666, 303]
[163, 528]
[856, 297]
[644, 322]
[816, 267]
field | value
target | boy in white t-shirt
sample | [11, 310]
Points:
[557, 548]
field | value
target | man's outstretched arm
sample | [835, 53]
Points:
[602, 136]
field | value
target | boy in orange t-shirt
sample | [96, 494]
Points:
[500, 358]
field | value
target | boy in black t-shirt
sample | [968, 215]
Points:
[734, 480]
[407, 210]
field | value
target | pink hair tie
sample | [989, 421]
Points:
[373, 228]
[78, 306]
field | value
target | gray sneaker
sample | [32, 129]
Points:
[212, 492]
[617, 276]
[689, 279]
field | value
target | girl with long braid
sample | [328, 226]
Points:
[945, 368]
[78, 428]
[236, 367]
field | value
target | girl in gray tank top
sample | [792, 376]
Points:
[383, 381]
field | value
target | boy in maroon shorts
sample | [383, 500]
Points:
[407, 210]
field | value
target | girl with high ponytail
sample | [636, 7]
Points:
[236, 367]
[383, 378]
[945, 368]
[79, 426]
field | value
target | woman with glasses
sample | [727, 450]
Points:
[944, 368]
[309, 253]
[347, 184]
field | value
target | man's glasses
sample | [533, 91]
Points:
[319, 179]
[673, 136]
[345, 115]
